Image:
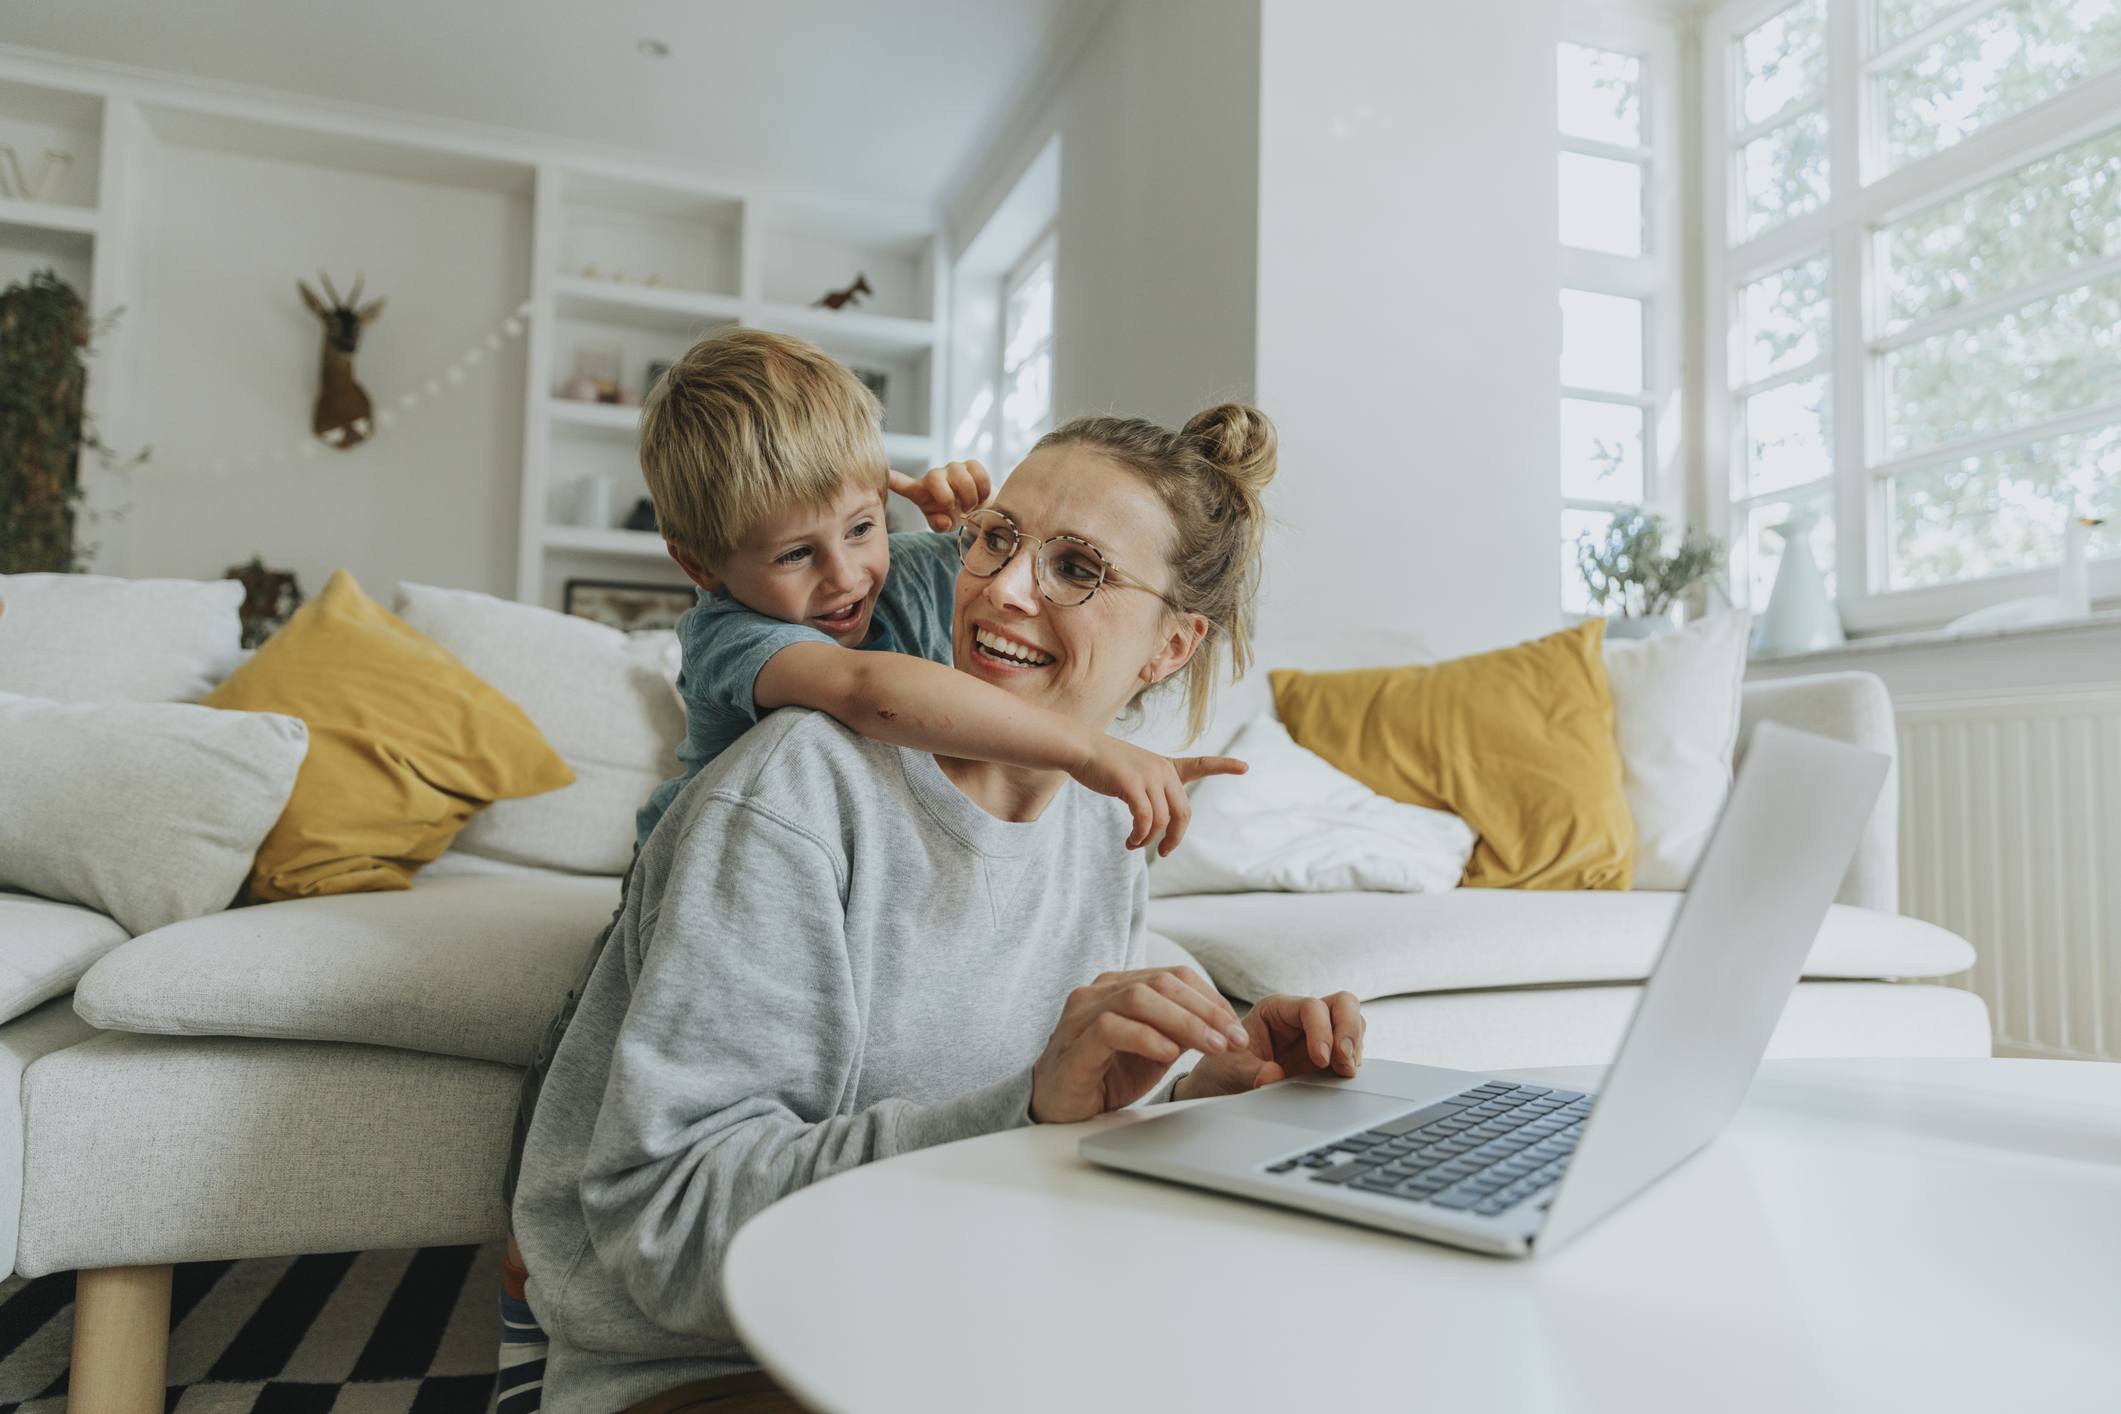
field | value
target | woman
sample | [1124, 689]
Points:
[835, 950]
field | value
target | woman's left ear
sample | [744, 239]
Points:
[1187, 632]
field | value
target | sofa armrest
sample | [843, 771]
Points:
[1855, 708]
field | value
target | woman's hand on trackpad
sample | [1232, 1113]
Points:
[1287, 1037]
[1117, 1037]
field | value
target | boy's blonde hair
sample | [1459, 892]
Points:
[748, 424]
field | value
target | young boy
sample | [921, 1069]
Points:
[767, 465]
[768, 472]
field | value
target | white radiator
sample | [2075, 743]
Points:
[2010, 836]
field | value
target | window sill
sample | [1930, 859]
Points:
[2082, 650]
[1930, 639]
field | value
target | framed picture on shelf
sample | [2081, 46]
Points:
[631, 607]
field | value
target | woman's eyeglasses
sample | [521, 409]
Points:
[1067, 568]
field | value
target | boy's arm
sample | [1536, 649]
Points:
[914, 703]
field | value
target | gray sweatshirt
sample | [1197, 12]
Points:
[827, 955]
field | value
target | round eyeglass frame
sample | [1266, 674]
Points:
[1109, 571]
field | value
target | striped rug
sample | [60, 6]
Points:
[411, 1332]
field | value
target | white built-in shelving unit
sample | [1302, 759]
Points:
[721, 254]
[718, 257]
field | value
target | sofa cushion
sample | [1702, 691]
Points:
[1383, 945]
[48, 946]
[405, 745]
[148, 811]
[1295, 824]
[92, 638]
[602, 698]
[470, 967]
[1675, 717]
[1518, 743]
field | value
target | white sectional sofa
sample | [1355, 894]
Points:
[341, 1073]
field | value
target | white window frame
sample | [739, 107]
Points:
[1657, 276]
[1848, 226]
[1045, 248]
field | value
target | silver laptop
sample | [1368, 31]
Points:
[1498, 1166]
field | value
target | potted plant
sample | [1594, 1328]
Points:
[1631, 571]
[44, 331]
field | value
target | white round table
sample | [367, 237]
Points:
[1872, 1236]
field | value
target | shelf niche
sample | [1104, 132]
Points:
[629, 233]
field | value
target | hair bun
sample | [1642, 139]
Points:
[1240, 440]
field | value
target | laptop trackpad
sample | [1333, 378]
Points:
[1320, 1107]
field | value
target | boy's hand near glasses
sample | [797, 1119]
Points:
[946, 493]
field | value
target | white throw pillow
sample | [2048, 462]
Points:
[150, 812]
[91, 638]
[1294, 824]
[1675, 716]
[604, 700]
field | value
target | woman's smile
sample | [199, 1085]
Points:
[1000, 647]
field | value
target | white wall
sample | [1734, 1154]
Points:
[224, 360]
[1408, 326]
[1158, 115]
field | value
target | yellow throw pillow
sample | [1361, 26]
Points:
[405, 745]
[1518, 742]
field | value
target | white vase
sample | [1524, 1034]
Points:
[2076, 589]
[1622, 626]
[592, 502]
[1800, 616]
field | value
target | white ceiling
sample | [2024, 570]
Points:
[888, 99]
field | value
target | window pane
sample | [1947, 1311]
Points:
[1027, 407]
[1783, 60]
[1601, 204]
[1601, 95]
[1786, 319]
[2001, 63]
[1030, 315]
[1575, 525]
[2041, 219]
[1601, 451]
[1762, 550]
[1785, 172]
[2050, 357]
[1899, 19]
[1601, 342]
[2005, 511]
[1789, 435]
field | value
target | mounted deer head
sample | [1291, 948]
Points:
[344, 417]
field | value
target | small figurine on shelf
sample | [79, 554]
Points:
[270, 598]
[642, 516]
[844, 299]
[596, 374]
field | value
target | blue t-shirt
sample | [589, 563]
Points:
[726, 644]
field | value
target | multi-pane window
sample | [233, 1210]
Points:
[1616, 272]
[1919, 266]
[1027, 355]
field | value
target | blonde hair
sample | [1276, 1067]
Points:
[1209, 476]
[747, 424]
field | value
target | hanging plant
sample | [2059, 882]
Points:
[45, 336]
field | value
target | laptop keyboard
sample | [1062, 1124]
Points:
[1483, 1151]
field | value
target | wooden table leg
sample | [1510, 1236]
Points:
[121, 1341]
